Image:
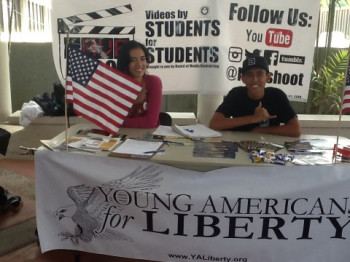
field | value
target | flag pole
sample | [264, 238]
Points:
[346, 80]
[335, 149]
[65, 91]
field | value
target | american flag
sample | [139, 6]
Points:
[346, 98]
[99, 92]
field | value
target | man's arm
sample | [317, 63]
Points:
[291, 128]
[220, 122]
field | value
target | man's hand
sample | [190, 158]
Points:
[261, 114]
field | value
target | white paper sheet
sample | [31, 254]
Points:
[137, 147]
[165, 131]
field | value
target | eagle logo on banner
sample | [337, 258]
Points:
[94, 205]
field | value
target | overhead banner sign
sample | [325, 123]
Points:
[142, 210]
[195, 46]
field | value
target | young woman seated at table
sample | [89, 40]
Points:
[133, 60]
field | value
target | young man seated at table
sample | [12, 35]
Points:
[254, 107]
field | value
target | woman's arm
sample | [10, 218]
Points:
[154, 103]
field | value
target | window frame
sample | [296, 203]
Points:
[25, 21]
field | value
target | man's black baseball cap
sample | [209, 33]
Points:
[254, 60]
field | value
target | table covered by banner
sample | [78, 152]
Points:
[145, 210]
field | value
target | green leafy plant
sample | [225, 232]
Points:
[328, 83]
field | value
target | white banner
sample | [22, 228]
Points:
[196, 46]
[139, 209]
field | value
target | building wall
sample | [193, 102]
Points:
[32, 71]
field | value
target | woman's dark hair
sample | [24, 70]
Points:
[124, 55]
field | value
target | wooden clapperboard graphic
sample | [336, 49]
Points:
[102, 42]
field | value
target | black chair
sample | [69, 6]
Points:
[4, 141]
[8, 201]
[165, 119]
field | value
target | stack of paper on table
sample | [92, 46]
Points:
[166, 131]
[216, 149]
[196, 131]
[83, 144]
[136, 149]
[301, 147]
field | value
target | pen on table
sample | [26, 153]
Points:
[154, 151]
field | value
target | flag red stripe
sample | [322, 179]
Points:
[97, 102]
[69, 91]
[121, 85]
[69, 83]
[346, 100]
[97, 112]
[93, 120]
[106, 96]
[96, 117]
[120, 74]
